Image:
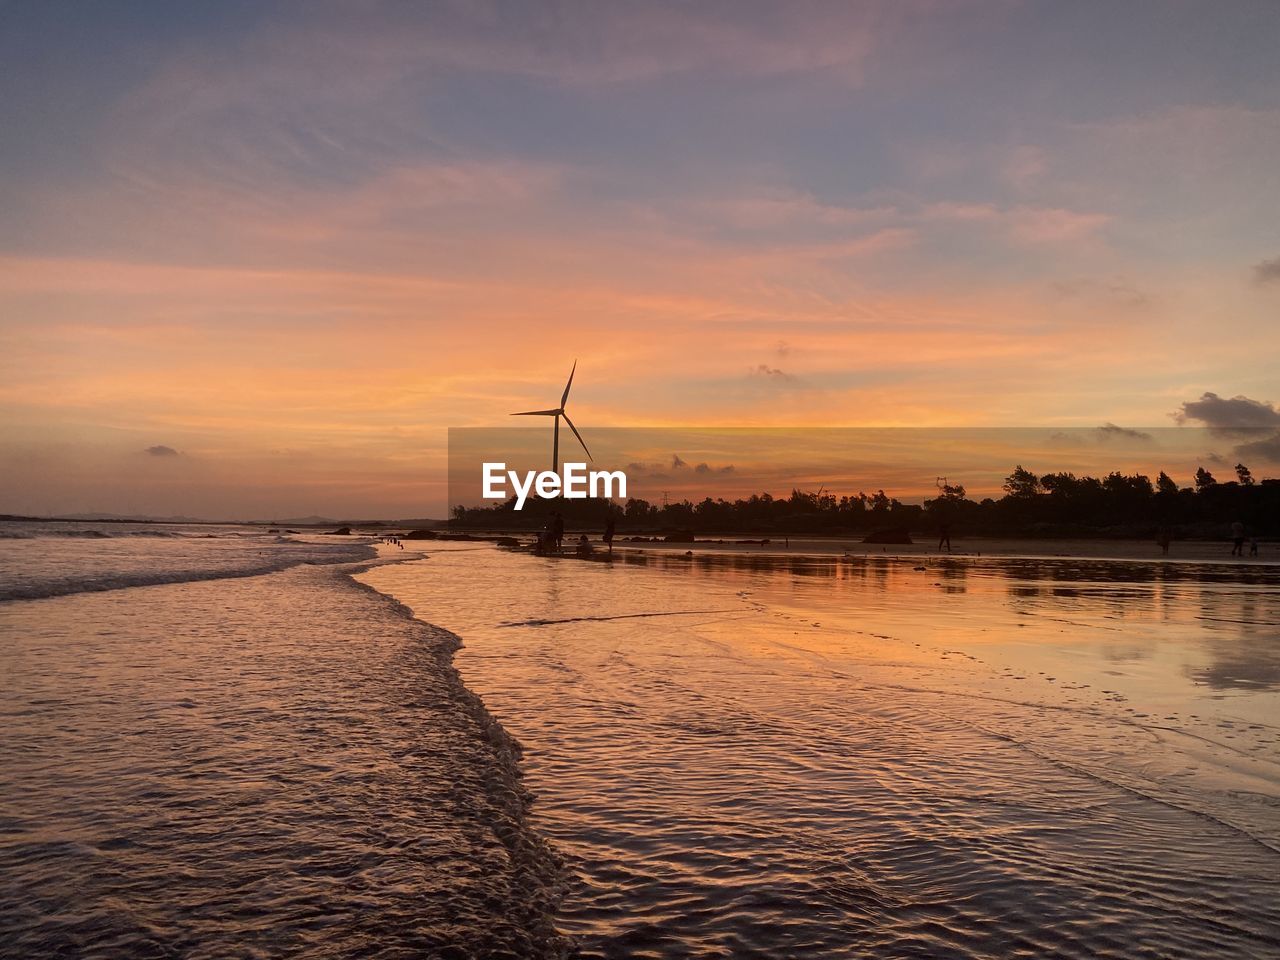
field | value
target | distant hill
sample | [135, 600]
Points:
[127, 518]
[312, 521]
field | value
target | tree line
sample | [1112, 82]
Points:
[1045, 505]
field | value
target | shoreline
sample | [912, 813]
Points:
[635, 702]
[336, 744]
[1128, 551]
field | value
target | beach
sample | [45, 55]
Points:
[758, 755]
[326, 747]
[264, 760]
[640, 481]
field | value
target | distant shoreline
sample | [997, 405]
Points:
[190, 522]
[831, 548]
[1140, 551]
[773, 543]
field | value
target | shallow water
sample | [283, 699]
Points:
[263, 766]
[47, 559]
[742, 756]
[731, 755]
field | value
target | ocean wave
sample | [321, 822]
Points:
[340, 794]
[35, 587]
[49, 531]
[540, 875]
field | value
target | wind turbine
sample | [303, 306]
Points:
[558, 412]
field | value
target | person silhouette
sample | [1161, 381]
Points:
[1237, 539]
[557, 529]
[609, 527]
[944, 536]
[1164, 536]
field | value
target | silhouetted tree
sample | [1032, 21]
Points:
[1021, 484]
[1052, 505]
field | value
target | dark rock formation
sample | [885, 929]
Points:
[889, 535]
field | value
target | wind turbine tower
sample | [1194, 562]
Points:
[559, 412]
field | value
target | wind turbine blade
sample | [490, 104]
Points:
[577, 434]
[565, 398]
[536, 413]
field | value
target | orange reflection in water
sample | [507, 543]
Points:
[800, 754]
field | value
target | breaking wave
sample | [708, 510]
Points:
[187, 771]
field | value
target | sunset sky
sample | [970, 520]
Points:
[256, 258]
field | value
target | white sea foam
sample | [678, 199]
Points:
[267, 766]
[49, 560]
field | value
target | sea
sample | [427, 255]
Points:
[227, 742]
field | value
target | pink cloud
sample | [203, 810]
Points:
[1022, 223]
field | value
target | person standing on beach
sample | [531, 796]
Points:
[609, 527]
[1164, 537]
[944, 536]
[1237, 539]
[557, 529]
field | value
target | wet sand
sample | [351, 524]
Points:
[1182, 551]
[818, 756]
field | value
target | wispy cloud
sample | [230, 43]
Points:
[341, 233]
[766, 372]
[1268, 271]
[1109, 431]
[1022, 223]
[1268, 448]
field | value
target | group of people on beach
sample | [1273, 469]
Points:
[1164, 537]
[1237, 541]
[392, 541]
[551, 538]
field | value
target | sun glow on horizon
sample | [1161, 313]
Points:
[296, 263]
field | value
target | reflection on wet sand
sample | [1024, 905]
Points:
[1246, 663]
[818, 756]
[1237, 606]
